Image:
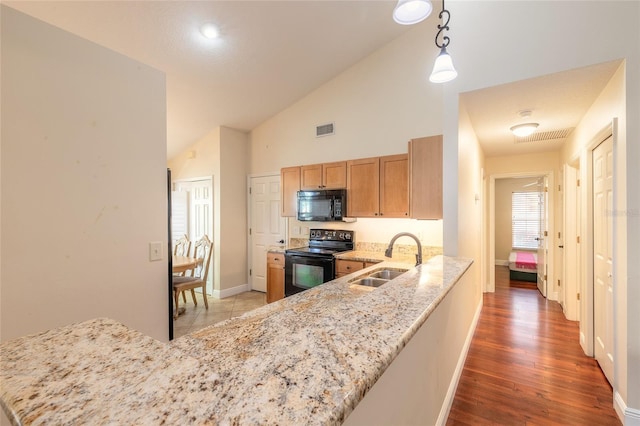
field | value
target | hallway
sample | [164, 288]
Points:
[525, 366]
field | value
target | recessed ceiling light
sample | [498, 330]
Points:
[209, 31]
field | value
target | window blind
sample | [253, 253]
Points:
[525, 211]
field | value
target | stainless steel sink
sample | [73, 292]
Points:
[377, 277]
[387, 274]
[370, 282]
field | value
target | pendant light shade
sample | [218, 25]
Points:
[408, 12]
[443, 69]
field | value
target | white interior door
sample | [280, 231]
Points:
[267, 227]
[199, 212]
[603, 256]
[542, 240]
[571, 227]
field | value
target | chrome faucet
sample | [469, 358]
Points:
[389, 251]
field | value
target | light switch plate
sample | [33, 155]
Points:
[155, 251]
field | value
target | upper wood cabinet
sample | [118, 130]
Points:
[425, 169]
[363, 187]
[325, 176]
[289, 185]
[394, 186]
[378, 187]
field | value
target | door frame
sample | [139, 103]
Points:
[571, 229]
[215, 260]
[490, 286]
[249, 215]
[587, 341]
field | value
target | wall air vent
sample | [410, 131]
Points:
[325, 130]
[552, 135]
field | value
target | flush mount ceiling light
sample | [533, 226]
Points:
[525, 129]
[443, 69]
[408, 12]
[209, 31]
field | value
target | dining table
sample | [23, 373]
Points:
[184, 263]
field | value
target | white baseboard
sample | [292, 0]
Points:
[628, 416]
[453, 385]
[228, 292]
[500, 262]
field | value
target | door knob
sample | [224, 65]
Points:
[560, 246]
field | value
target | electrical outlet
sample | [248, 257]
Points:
[155, 251]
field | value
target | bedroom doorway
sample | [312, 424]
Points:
[501, 220]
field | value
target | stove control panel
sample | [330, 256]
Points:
[331, 235]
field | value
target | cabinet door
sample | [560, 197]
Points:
[345, 267]
[334, 175]
[311, 176]
[363, 187]
[394, 186]
[275, 277]
[290, 184]
[425, 171]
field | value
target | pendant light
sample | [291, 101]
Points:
[408, 12]
[443, 69]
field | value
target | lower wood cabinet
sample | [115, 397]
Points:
[275, 276]
[345, 267]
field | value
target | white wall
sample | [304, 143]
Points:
[234, 150]
[223, 154]
[83, 183]
[377, 106]
[536, 38]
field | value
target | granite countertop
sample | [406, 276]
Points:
[307, 359]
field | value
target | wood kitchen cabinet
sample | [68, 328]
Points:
[345, 267]
[378, 187]
[275, 276]
[289, 186]
[324, 176]
[394, 186]
[425, 183]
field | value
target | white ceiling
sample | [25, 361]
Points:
[272, 53]
[556, 101]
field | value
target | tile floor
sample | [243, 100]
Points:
[197, 317]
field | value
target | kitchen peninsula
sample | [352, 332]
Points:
[308, 359]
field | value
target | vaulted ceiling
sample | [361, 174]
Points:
[272, 53]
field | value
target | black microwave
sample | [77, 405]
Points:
[322, 205]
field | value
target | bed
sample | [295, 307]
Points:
[523, 266]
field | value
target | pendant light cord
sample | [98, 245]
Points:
[444, 26]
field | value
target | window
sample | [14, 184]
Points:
[525, 214]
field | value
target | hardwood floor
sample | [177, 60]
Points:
[525, 365]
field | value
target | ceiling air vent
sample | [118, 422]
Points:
[552, 135]
[325, 130]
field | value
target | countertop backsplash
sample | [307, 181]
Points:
[427, 251]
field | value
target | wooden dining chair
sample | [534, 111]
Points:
[202, 250]
[182, 247]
